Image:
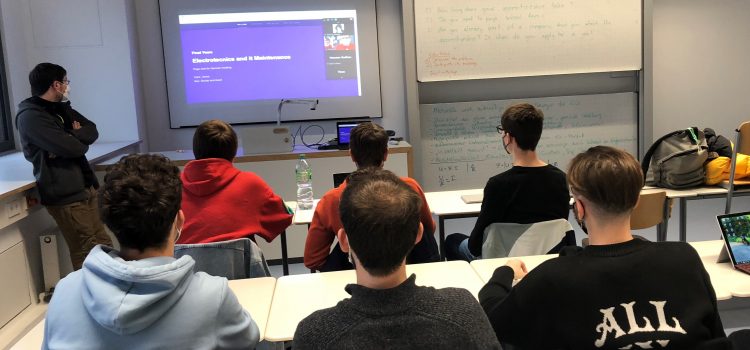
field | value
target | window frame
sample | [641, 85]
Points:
[6, 141]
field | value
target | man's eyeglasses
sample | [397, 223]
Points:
[66, 81]
[500, 129]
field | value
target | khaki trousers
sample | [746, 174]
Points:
[81, 226]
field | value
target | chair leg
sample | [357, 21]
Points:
[284, 255]
[732, 167]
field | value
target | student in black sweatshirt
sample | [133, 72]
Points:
[618, 292]
[387, 310]
[531, 191]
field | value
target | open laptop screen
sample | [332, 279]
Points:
[344, 131]
[735, 230]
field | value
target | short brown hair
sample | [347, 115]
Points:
[368, 145]
[524, 122]
[380, 214]
[139, 200]
[608, 177]
[215, 139]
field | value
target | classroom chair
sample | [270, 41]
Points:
[510, 239]
[741, 145]
[653, 209]
[234, 259]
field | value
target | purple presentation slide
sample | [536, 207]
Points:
[258, 61]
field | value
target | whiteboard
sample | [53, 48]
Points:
[461, 148]
[478, 39]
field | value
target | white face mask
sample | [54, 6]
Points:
[66, 94]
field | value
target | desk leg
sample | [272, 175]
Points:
[683, 219]
[284, 258]
[441, 240]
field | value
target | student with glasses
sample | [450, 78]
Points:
[531, 191]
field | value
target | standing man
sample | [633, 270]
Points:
[55, 138]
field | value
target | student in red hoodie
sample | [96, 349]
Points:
[368, 147]
[221, 202]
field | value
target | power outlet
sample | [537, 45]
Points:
[14, 208]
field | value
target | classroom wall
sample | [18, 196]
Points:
[160, 137]
[700, 65]
[92, 40]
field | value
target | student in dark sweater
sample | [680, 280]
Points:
[380, 216]
[532, 191]
[617, 293]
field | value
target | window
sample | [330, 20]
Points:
[6, 126]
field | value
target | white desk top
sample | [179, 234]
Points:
[302, 217]
[690, 192]
[32, 340]
[182, 156]
[486, 267]
[298, 296]
[255, 295]
[725, 279]
[450, 202]
[17, 174]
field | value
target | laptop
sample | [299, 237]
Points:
[344, 132]
[339, 178]
[735, 231]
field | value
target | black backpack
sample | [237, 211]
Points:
[676, 160]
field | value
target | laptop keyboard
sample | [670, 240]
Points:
[745, 268]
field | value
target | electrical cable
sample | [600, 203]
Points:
[301, 134]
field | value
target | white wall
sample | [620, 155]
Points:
[701, 70]
[92, 40]
[162, 138]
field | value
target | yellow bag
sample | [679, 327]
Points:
[718, 169]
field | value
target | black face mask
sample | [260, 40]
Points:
[580, 221]
[505, 145]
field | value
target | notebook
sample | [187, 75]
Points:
[473, 198]
[735, 231]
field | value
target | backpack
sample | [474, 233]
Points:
[676, 159]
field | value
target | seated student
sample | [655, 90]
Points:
[531, 191]
[141, 297]
[220, 201]
[368, 146]
[618, 292]
[381, 224]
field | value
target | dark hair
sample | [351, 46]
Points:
[215, 139]
[139, 200]
[368, 144]
[524, 122]
[608, 177]
[43, 75]
[380, 214]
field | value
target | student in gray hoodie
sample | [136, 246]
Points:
[141, 297]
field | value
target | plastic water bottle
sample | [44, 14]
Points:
[304, 184]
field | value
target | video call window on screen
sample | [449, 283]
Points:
[341, 53]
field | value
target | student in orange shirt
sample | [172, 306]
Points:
[368, 148]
